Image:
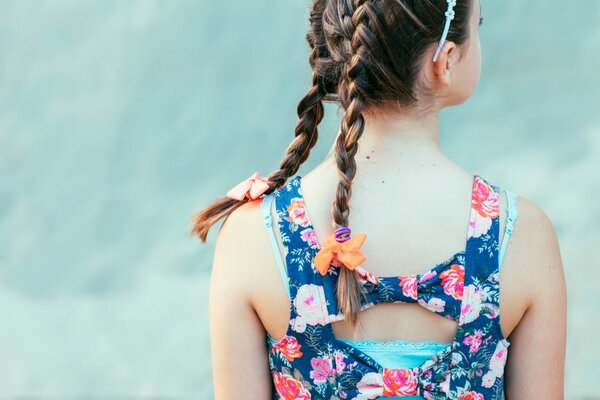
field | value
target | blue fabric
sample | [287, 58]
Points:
[310, 361]
[395, 353]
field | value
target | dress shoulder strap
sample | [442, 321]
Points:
[298, 237]
[512, 213]
[481, 281]
[266, 207]
[480, 308]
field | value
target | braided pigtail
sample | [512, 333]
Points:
[310, 108]
[357, 30]
[310, 112]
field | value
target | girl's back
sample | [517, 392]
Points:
[413, 290]
[414, 222]
[429, 227]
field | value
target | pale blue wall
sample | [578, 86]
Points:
[116, 118]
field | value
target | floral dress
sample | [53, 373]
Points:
[309, 362]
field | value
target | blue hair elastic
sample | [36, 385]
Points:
[449, 17]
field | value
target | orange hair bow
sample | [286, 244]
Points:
[252, 188]
[346, 252]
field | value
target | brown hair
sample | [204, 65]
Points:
[366, 55]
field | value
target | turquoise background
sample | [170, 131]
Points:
[120, 119]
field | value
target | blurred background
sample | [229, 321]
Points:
[120, 119]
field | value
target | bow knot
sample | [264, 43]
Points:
[403, 382]
[430, 380]
[347, 253]
[252, 188]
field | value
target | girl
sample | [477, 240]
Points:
[416, 295]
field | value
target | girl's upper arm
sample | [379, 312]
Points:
[535, 365]
[238, 339]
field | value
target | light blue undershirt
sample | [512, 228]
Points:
[395, 353]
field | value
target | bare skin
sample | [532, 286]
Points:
[402, 170]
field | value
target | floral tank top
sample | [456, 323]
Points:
[309, 362]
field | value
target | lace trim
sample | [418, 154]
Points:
[396, 345]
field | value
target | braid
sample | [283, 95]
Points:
[352, 99]
[310, 108]
[310, 112]
[365, 54]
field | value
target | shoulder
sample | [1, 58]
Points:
[534, 219]
[236, 330]
[535, 253]
[242, 219]
[238, 247]
[534, 272]
[536, 235]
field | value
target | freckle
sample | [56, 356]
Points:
[368, 157]
[382, 181]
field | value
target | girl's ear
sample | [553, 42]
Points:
[447, 58]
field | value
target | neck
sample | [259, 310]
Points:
[390, 142]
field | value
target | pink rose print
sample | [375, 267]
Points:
[321, 370]
[429, 275]
[453, 280]
[370, 386]
[339, 362]
[472, 304]
[297, 212]
[471, 396]
[409, 286]
[399, 382]
[310, 306]
[474, 341]
[366, 276]
[434, 304]
[289, 388]
[309, 236]
[485, 201]
[393, 382]
[288, 348]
